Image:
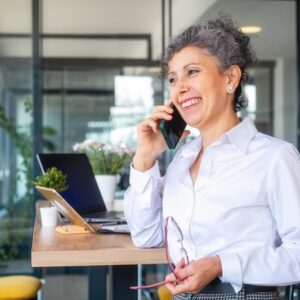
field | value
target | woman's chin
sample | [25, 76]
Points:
[194, 122]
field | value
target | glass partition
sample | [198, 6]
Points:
[104, 105]
[16, 199]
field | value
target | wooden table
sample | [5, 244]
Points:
[51, 249]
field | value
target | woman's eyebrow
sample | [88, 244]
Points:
[189, 64]
[184, 68]
[171, 73]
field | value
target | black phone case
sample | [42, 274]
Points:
[172, 130]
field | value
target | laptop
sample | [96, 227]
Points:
[83, 193]
[73, 217]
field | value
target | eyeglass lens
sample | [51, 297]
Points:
[170, 226]
[175, 231]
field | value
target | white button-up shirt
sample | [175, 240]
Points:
[244, 206]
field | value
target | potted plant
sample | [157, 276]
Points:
[107, 161]
[52, 178]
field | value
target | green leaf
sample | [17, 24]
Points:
[53, 178]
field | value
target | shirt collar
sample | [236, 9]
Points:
[192, 148]
[240, 136]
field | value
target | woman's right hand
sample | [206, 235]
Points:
[150, 140]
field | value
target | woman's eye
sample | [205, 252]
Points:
[171, 80]
[192, 72]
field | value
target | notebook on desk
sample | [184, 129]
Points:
[74, 218]
[83, 193]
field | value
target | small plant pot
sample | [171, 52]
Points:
[107, 186]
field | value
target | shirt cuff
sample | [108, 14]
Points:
[231, 270]
[138, 180]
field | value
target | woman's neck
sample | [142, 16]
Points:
[213, 133]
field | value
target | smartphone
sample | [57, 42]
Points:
[172, 130]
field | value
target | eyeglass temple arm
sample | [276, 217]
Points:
[151, 285]
[170, 263]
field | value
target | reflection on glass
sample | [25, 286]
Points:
[134, 91]
[250, 91]
[99, 104]
[133, 102]
[108, 108]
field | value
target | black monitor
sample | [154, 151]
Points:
[83, 193]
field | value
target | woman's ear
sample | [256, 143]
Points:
[233, 74]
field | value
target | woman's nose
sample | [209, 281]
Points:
[182, 86]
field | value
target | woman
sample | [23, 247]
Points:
[233, 191]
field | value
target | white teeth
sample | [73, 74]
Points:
[190, 102]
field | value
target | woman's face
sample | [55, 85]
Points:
[198, 88]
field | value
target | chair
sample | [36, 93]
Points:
[19, 287]
[292, 292]
[163, 293]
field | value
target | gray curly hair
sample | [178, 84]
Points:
[222, 39]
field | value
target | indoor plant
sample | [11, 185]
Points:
[107, 160]
[52, 178]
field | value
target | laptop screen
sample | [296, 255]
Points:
[83, 193]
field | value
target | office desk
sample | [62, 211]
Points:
[51, 249]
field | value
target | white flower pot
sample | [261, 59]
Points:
[107, 186]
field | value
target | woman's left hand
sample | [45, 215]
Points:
[194, 276]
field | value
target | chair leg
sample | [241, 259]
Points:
[298, 293]
[40, 292]
[289, 292]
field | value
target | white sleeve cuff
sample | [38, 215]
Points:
[231, 270]
[139, 180]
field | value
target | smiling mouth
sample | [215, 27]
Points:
[191, 102]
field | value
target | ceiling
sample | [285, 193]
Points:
[277, 19]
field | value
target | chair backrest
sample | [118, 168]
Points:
[163, 293]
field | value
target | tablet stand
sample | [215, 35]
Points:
[71, 229]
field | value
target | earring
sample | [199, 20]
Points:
[229, 88]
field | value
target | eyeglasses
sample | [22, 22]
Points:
[170, 225]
